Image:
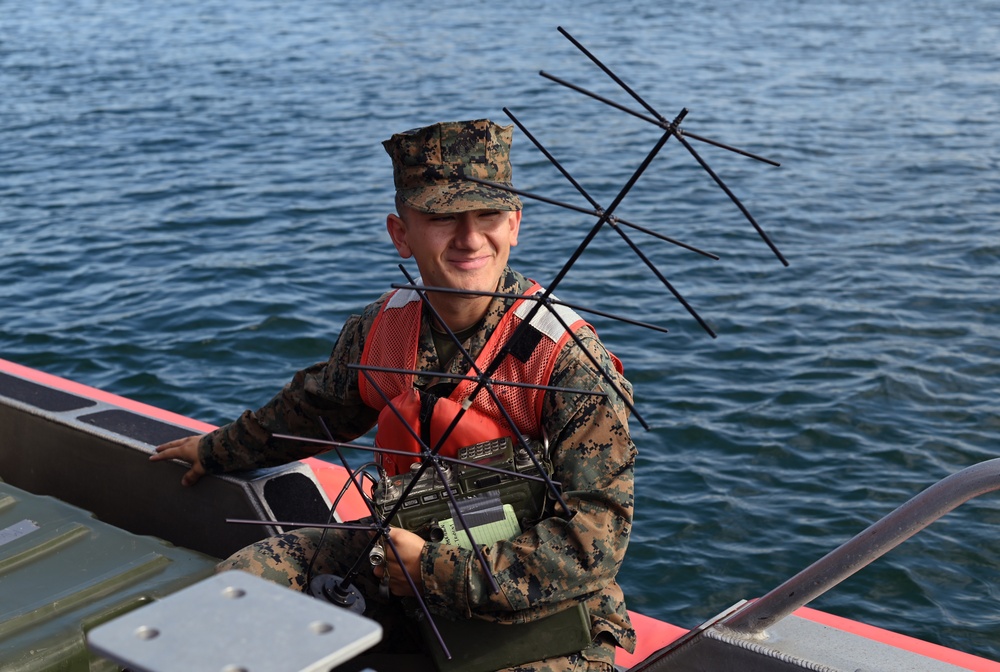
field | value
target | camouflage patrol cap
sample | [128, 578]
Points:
[428, 165]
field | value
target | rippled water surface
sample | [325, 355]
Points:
[192, 198]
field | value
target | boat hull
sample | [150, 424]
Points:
[90, 449]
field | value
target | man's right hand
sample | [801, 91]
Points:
[185, 449]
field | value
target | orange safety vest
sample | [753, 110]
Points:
[392, 344]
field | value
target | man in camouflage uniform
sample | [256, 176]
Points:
[460, 233]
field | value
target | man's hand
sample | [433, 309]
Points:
[182, 449]
[409, 546]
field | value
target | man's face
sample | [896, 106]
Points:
[466, 250]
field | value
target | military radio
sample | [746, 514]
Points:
[494, 505]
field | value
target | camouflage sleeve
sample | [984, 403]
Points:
[327, 389]
[561, 560]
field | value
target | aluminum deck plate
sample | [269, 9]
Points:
[235, 622]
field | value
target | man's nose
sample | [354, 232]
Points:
[467, 234]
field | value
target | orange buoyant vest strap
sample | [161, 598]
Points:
[392, 344]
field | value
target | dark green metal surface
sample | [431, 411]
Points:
[63, 572]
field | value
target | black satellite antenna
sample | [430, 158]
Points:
[340, 589]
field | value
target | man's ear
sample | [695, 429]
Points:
[397, 232]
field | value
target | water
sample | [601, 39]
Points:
[192, 198]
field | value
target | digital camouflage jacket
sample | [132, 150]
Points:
[546, 568]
